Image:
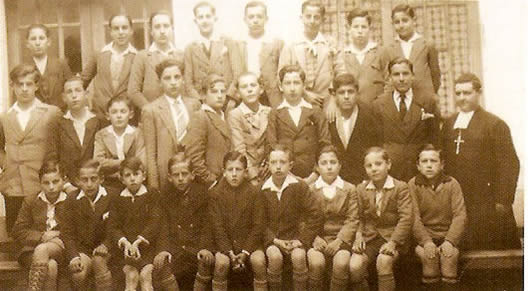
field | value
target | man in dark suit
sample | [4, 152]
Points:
[480, 154]
[409, 119]
[354, 130]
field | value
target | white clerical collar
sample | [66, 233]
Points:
[17, 108]
[413, 38]
[100, 193]
[351, 49]
[389, 184]
[246, 110]
[290, 179]
[303, 103]
[154, 48]
[338, 182]
[87, 116]
[141, 191]
[463, 119]
[62, 197]
[110, 48]
[129, 129]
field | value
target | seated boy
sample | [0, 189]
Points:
[288, 202]
[354, 130]
[297, 124]
[38, 226]
[334, 241]
[385, 220]
[84, 230]
[209, 137]
[248, 123]
[118, 141]
[439, 219]
[77, 128]
[133, 227]
[183, 246]
[238, 224]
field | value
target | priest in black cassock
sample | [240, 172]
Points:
[479, 153]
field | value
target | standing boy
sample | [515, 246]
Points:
[26, 138]
[259, 53]
[165, 122]
[297, 123]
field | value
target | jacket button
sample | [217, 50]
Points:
[183, 247]
[191, 225]
[179, 226]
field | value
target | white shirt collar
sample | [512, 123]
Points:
[246, 110]
[17, 109]
[338, 182]
[62, 197]
[319, 38]
[353, 50]
[389, 184]
[154, 48]
[129, 129]
[100, 193]
[126, 193]
[201, 39]
[413, 38]
[264, 38]
[290, 179]
[87, 116]
[303, 103]
[173, 101]
[463, 119]
[110, 48]
[408, 98]
[206, 107]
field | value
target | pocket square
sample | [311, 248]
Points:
[106, 215]
[426, 115]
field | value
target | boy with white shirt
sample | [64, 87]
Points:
[297, 123]
[258, 53]
[315, 53]
[26, 138]
[165, 122]
[207, 54]
[118, 141]
[110, 69]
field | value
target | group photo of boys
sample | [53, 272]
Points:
[254, 161]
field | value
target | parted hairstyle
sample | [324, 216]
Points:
[328, 149]
[344, 79]
[470, 78]
[169, 63]
[39, 26]
[400, 60]
[179, 157]
[132, 163]
[358, 12]
[376, 149]
[23, 70]
[116, 15]
[314, 3]
[91, 164]
[430, 147]
[120, 98]
[405, 8]
[292, 69]
[235, 156]
[50, 166]
[282, 147]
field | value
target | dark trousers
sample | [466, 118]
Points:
[12, 206]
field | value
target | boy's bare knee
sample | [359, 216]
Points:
[298, 259]
[316, 261]
[357, 267]
[258, 264]
[221, 268]
[384, 264]
[146, 273]
[53, 268]
[341, 262]
[99, 264]
[131, 273]
[274, 259]
[40, 253]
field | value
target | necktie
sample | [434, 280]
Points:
[181, 121]
[403, 107]
[205, 49]
[379, 196]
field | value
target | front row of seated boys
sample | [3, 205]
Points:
[194, 235]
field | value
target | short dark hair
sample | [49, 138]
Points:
[204, 4]
[50, 166]
[344, 79]
[159, 12]
[377, 149]
[235, 156]
[358, 12]
[400, 60]
[91, 164]
[247, 73]
[314, 3]
[328, 149]
[168, 63]
[470, 78]
[40, 26]
[282, 147]
[405, 8]
[74, 78]
[116, 15]
[430, 147]
[252, 4]
[120, 98]
[211, 80]
[292, 69]
[132, 163]
[179, 157]
[23, 70]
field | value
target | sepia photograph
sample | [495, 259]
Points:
[263, 144]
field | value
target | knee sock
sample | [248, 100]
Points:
[274, 280]
[300, 280]
[167, 280]
[260, 285]
[38, 274]
[386, 282]
[338, 284]
[103, 282]
[219, 285]
[201, 282]
[315, 283]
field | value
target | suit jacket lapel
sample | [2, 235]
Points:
[216, 51]
[101, 207]
[89, 132]
[128, 140]
[200, 53]
[300, 53]
[36, 115]
[284, 115]
[125, 71]
[67, 125]
[341, 130]
[166, 117]
[219, 124]
[384, 199]
[417, 48]
[306, 113]
[265, 53]
[109, 141]
[15, 126]
[390, 108]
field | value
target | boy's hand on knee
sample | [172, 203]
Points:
[359, 246]
[49, 235]
[206, 257]
[101, 250]
[281, 244]
[388, 248]
[430, 250]
[76, 265]
[295, 244]
[447, 249]
[161, 258]
[332, 248]
[319, 244]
